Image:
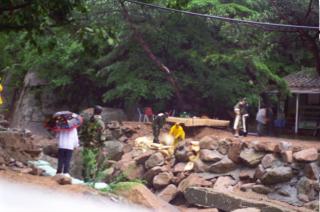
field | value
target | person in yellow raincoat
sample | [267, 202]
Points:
[178, 133]
[1, 89]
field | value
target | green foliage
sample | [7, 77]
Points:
[97, 59]
[94, 165]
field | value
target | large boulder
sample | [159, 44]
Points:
[276, 175]
[311, 170]
[206, 197]
[193, 180]
[161, 180]
[222, 166]
[113, 149]
[307, 189]
[168, 193]
[141, 195]
[251, 157]
[224, 183]
[234, 151]
[210, 155]
[156, 159]
[149, 175]
[269, 161]
[208, 142]
[306, 155]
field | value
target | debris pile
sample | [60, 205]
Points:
[227, 165]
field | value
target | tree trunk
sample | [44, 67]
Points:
[154, 59]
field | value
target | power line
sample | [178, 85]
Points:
[232, 20]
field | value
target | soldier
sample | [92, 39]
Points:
[157, 124]
[92, 133]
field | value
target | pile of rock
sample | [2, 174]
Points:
[278, 171]
[17, 147]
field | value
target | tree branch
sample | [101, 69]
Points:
[309, 9]
[151, 55]
[16, 7]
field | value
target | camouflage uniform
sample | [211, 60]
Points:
[157, 124]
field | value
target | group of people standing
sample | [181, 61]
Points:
[263, 118]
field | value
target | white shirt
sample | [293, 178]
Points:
[68, 139]
[261, 115]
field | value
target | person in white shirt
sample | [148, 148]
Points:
[67, 142]
[261, 119]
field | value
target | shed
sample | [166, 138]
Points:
[304, 105]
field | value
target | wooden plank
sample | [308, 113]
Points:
[193, 122]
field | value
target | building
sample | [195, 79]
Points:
[302, 108]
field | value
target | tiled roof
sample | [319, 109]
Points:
[303, 82]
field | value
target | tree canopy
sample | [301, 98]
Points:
[124, 54]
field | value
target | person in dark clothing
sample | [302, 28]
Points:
[157, 124]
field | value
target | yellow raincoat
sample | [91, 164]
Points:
[178, 133]
[1, 89]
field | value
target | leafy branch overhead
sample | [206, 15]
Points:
[89, 47]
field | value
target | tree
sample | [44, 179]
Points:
[304, 12]
[36, 14]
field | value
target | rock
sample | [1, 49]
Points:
[265, 146]
[306, 155]
[287, 156]
[223, 147]
[247, 174]
[224, 184]
[107, 114]
[247, 186]
[123, 139]
[259, 172]
[276, 175]
[261, 189]
[149, 175]
[179, 177]
[192, 180]
[247, 210]
[222, 166]
[19, 164]
[2, 167]
[62, 180]
[234, 151]
[14, 145]
[306, 189]
[313, 205]
[141, 159]
[4, 123]
[37, 171]
[251, 157]
[2, 160]
[286, 193]
[26, 170]
[200, 166]
[283, 146]
[311, 171]
[161, 180]
[141, 195]
[113, 149]
[208, 142]
[269, 161]
[179, 167]
[181, 154]
[168, 193]
[210, 155]
[134, 171]
[156, 159]
[206, 197]
[183, 209]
